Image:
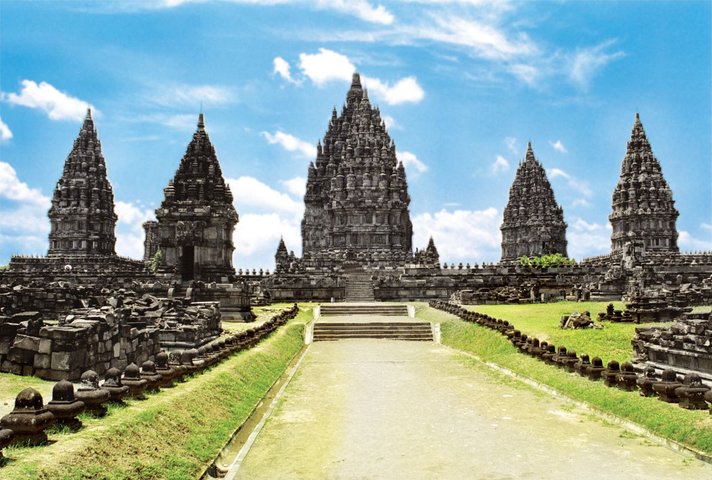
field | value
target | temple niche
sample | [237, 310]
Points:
[356, 201]
[533, 223]
[197, 217]
[644, 212]
[82, 214]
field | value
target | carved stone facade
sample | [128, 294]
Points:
[82, 214]
[197, 218]
[356, 203]
[643, 209]
[533, 222]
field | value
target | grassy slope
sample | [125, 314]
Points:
[692, 428]
[612, 342]
[173, 435]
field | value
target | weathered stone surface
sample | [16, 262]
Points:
[533, 223]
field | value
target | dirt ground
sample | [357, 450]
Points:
[370, 409]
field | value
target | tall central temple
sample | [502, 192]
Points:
[356, 203]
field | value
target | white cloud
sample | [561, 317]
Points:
[290, 143]
[529, 74]
[482, 39]
[580, 186]
[5, 132]
[412, 163]
[361, 9]
[405, 90]
[266, 215]
[326, 66]
[56, 104]
[500, 165]
[558, 146]
[192, 96]
[511, 143]
[181, 121]
[296, 186]
[129, 228]
[580, 202]
[689, 243]
[329, 66]
[588, 239]
[390, 122]
[587, 62]
[252, 194]
[282, 68]
[460, 235]
[11, 188]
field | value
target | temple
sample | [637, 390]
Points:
[533, 223]
[82, 214]
[197, 217]
[644, 212]
[356, 201]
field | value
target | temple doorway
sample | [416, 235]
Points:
[188, 266]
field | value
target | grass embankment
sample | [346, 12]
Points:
[612, 342]
[691, 428]
[176, 433]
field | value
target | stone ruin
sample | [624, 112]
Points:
[109, 330]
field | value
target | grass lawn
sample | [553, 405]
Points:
[541, 320]
[691, 428]
[176, 433]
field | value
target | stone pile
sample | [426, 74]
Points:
[577, 321]
[688, 392]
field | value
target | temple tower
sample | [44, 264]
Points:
[356, 203]
[533, 222]
[197, 217]
[82, 214]
[644, 212]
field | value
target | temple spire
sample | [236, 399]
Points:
[201, 122]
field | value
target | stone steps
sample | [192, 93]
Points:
[386, 309]
[412, 331]
[359, 288]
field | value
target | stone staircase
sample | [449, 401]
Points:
[412, 331]
[358, 287]
[385, 309]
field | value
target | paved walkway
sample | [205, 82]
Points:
[375, 409]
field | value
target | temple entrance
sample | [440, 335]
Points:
[188, 263]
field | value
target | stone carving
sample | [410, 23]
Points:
[93, 396]
[112, 384]
[64, 405]
[643, 208]
[132, 379]
[29, 419]
[82, 214]
[533, 223]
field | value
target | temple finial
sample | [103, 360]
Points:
[201, 122]
[88, 113]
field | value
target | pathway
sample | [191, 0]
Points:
[372, 409]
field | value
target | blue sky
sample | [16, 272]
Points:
[463, 84]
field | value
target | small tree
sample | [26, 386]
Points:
[547, 261]
[156, 261]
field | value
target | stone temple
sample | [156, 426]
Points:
[533, 223]
[197, 217]
[82, 217]
[643, 209]
[356, 201]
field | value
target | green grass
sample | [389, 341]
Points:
[692, 428]
[612, 342]
[176, 433]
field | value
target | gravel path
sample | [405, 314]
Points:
[371, 409]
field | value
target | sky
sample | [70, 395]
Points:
[462, 84]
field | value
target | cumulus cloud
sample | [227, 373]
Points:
[56, 104]
[558, 146]
[361, 9]
[5, 132]
[587, 62]
[329, 66]
[296, 186]
[129, 228]
[460, 235]
[290, 143]
[588, 239]
[12, 188]
[688, 242]
[411, 163]
[266, 214]
[281, 67]
[500, 165]
[390, 122]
